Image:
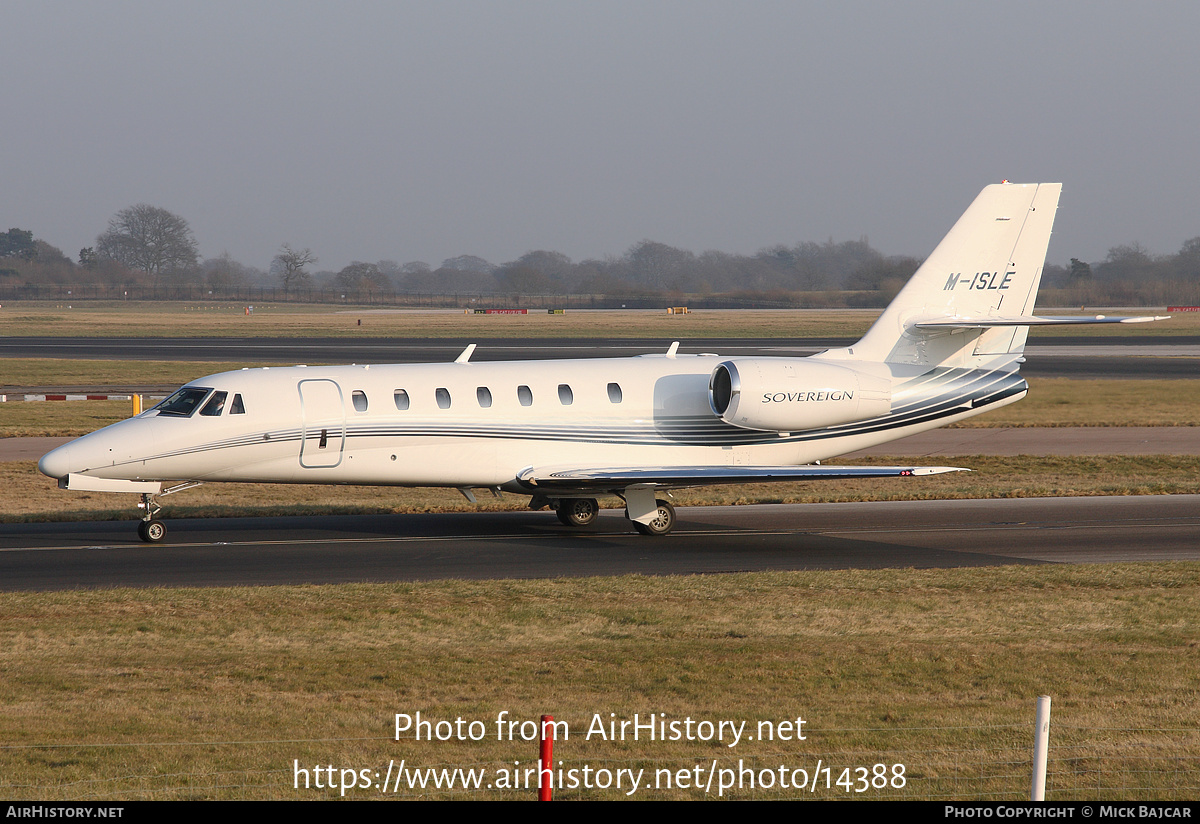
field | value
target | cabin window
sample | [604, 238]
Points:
[443, 398]
[359, 399]
[484, 396]
[400, 396]
[183, 403]
[237, 407]
[525, 395]
[614, 393]
[565, 396]
[215, 405]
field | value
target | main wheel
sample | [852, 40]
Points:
[152, 531]
[664, 520]
[577, 511]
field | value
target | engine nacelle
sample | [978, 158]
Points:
[794, 394]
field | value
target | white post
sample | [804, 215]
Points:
[1041, 744]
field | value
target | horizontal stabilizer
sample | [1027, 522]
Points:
[1027, 320]
[552, 479]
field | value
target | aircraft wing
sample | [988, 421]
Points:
[555, 479]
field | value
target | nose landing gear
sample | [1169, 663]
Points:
[152, 529]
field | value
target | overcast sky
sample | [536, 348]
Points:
[423, 130]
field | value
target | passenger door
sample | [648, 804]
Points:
[323, 430]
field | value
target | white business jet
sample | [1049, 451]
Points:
[565, 431]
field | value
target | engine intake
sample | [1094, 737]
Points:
[794, 394]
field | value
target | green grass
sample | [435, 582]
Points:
[318, 321]
[214, 693]
[1070, 402]
[89, 373]
[179, 319]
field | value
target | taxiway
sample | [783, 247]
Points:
[319, 550]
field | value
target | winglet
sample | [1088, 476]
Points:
[466, 354]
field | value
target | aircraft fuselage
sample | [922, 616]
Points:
[481, 424]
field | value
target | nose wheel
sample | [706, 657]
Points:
[152, 531]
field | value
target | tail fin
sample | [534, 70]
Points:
[966, 302]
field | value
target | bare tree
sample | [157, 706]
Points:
[223, 272]
[289, 265]
[361, 277]
[468, 263]
[151, 239]
[658, 265]
[537, 272]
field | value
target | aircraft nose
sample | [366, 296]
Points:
[57, 462]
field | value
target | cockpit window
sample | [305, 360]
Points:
[215, 405]
[237, 407]
[184, 402]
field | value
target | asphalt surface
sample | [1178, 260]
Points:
[923, 534]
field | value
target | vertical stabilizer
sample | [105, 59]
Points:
[988, 266]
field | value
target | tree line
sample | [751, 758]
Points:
[146, 246]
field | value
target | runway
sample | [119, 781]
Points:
[322, 550]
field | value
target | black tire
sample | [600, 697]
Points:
[152, 531]
[577, 511]
[663, 523]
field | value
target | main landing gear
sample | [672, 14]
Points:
[582, 511]
[663, 522]
[577, 511]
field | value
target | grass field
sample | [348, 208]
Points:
[217, 693]
[174, 319]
